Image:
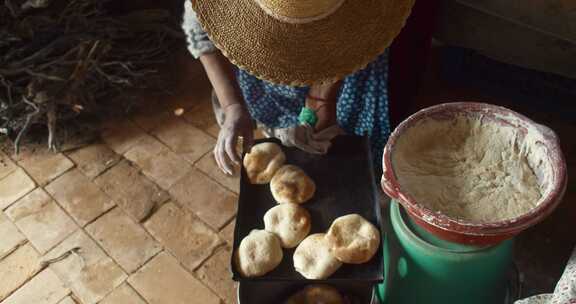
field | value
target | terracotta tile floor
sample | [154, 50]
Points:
[143, 216]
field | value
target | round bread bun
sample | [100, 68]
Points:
[313, 258]
[290, 184]
[263, 161]
[290, 222]
[353, 239]
[259, 253]
[317, 294]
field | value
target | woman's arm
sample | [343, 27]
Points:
[221, 74]
[237, 121]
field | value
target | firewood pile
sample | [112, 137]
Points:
[61, 60]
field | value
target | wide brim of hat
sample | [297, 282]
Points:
[321, 51]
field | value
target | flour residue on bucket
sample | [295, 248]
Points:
[473, 167]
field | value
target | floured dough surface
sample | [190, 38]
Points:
[259, 253]
[263, 161]
[468, 169]
[353, 239]
[313, 258]
[290, 222]
[290, 184]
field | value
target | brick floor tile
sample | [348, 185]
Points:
[94, 159]
[88, 271]
[124, 294]
[7, 166]
[184, 235]
[144, 150]
[184, 139]
[67, 300]
[215, 272]
[151, 120]
[41, 220]
[201, 115]
[227, 233]
[132, 191]
[163, 281]
[17, 268]
[14, 186]
[176, 99]
[211, 202]
[208, 165]
[10, 236]
[125, 241]
[44, 288]
[213, 130]
[158, 162]
[78, 195]
[43, 165]
[121, 135]
[166, 169]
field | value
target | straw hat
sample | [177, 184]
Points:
[301, 42]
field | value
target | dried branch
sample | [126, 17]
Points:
[26, 125]
[76, 54]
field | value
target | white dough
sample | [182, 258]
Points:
[313, 258]
[259, 253]
[263, 161]
[469, 168]
[290, 222]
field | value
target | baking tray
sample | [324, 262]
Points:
[345, 184]
[279, 292]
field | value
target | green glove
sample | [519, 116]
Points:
[308, 116]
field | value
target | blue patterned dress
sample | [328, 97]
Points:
[362, 107]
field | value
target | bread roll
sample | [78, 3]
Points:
[263, 161]
[313, 258]
[353, 239]
[290, 222]
[259, 253]
[290, 184]
[317, 294]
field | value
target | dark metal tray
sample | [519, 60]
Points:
[345, 184]
[279, 292]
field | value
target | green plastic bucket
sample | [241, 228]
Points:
[424, 269]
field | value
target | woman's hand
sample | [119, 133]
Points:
[237, 120]
[237, 123]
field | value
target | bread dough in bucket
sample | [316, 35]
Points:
[469, 168]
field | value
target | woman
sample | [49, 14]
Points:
[329, 57]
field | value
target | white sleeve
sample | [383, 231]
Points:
[198, 41]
